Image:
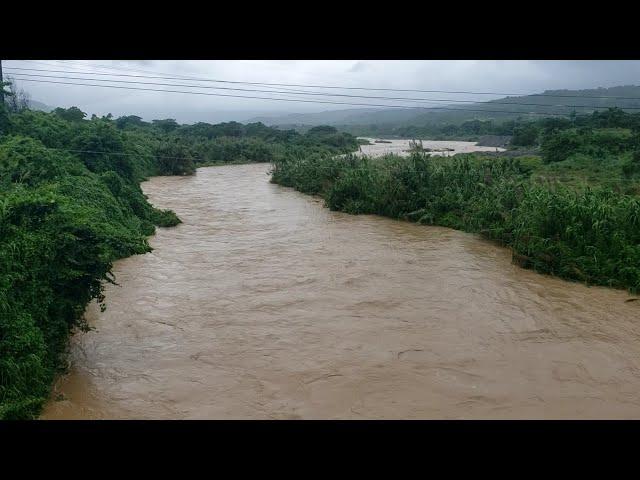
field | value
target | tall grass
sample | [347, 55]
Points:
[591, 235]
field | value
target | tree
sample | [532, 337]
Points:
[167, 125]
[174, 159]
[322, 130]
[129, 121]
[553, 124]
[4, 118]
[558, 146]
[16, 100]
[525, 135]
[102, 148]
[3, 87]
[73, 114]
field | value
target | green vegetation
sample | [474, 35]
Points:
[525, 130]
[65, 218]
[71, 204]
[573, 212]
[602, 149]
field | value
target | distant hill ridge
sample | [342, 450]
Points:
[35, 105]
[499, 109]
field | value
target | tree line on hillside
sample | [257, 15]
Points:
[525, 131]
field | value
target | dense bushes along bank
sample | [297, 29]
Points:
[71, 204]
[591, 235]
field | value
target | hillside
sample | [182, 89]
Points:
[43, 107]
[346, 116]
[389, 118]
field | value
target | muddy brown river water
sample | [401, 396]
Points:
[265, 304]
[438, 147]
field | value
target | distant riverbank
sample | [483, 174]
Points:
[438, 147]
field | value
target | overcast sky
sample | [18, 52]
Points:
[515, 77]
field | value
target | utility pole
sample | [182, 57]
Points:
[1, 85]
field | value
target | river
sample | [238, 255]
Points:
[437, 147]
[264, 304]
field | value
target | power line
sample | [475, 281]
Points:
[427, 100]
[165, 77]
[354, 88]
[121, 153]
[340, 103]
[421, 100]
[72, 64]
[296, 99]
[287, 92]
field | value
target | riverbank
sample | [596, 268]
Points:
[402, 147]
[71, 205]
[591, 235]
[60, 232]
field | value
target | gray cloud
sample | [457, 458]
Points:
[526, 76]
[358, 67]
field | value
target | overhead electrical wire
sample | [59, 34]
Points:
[119, 153]
[285, 92]
[412, 99]
[300, 100]
[302, 92]
[457, 92]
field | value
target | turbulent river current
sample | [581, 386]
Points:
[265, 304]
